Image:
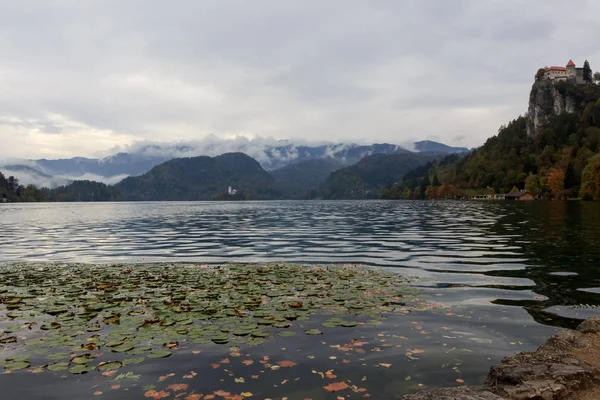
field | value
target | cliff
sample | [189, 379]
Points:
[547, 99]
[550, 98]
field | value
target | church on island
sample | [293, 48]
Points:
[569, 73]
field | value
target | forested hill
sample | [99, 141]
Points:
[365, 179]
[560, 157]
[300, 180]
[202, 178]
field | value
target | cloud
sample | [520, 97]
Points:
[79, 78]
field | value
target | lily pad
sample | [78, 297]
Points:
[81, 369]
[60, 366]
[313, 332]
[17, 365]
[160, 353]
[110, 366]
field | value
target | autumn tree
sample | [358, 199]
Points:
[556, 180]
[587, 72]
[590, 180]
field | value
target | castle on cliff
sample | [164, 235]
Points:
[569, 73]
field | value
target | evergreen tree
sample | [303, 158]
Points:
[436, 181]
[587, 72]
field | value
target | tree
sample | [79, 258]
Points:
[587, 72]
[556, 180]
[436, 181]
[597, 77]
[540, 74]
[532, 184]
[590, 180]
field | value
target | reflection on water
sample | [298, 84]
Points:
[506, 273]
[536, 255]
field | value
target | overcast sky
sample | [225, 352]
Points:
[81, 77]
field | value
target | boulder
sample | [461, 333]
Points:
[456, 393]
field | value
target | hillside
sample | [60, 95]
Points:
[435, 147]
[553, 151]
[300, 180]
[202, 178]
[365, 179]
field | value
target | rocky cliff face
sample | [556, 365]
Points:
[546, 100]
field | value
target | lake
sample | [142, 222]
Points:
[493, 278]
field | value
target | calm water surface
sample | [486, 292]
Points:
[497, 277]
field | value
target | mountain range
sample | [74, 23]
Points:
[114, 168]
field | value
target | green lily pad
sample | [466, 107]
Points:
[18, 365]
[160, 353]
[110, 366]
[84, 359]
[130, 361]
[287, 333]
[313, 332]
[81, 369]
[60, 366]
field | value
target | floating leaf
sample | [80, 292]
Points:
[80, 369]
[17, 365]
[286, 364]
[336, 387]
[160, 353]
[61, 366]
[110, 366]
[130, 361]
[313, 332]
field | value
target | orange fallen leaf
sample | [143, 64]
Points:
[153, 394]
[418, 351]
[97, 393]
[221, 393]
[115, 387]
[247, 362]
[209, 397]
[196, 352]
[346, 361]
[109, 373]
[336, 387]
[194, 396]
[190, 375]
[225, 361]
[286, 364]
[385, 365]
[460, 380]
[176, 387]
[247, 394]
[254, 376]
[215, 366]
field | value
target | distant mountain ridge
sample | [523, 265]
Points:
[115, 167]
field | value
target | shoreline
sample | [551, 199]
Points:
[566, 367]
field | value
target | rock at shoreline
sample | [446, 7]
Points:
[567, 366]
[457, 393]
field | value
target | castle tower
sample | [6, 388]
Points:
[571, 72]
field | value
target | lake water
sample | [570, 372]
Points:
[494, 278]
